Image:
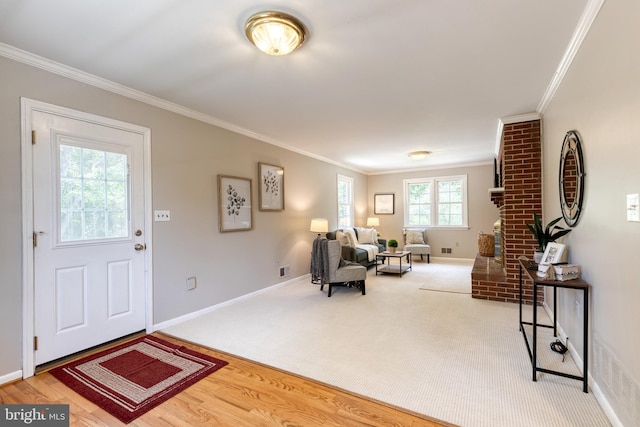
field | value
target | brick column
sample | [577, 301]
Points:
[521, 160]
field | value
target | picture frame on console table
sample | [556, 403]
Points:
[384, 203]
[271, 187]
[553, 253]
[235, 211]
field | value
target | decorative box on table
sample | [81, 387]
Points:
[561, 272]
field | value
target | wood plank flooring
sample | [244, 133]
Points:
[243, 393]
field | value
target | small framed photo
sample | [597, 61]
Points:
[384, 203]
[234, 203]
[553, 253]
[271, 187]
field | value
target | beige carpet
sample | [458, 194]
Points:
[446, 276]
[442, 354]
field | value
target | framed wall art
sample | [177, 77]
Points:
[553, 253]
[234, 203]
[271, 187]
[384, 203]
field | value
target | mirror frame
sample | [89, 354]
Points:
[571, 146]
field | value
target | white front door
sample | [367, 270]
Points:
[89, 233]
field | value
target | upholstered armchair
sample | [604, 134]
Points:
[328, 267]
[415, 240]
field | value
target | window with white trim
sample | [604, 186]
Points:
[436, 202]
[345, 201]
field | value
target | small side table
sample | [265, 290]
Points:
[394, 269]
[533, 347]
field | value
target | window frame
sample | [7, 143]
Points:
[434, 201]
[351, 210]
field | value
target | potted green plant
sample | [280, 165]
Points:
[544, 235]
[393, 245]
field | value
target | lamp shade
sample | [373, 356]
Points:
[275, 33]
[319, 225]
[373, 222]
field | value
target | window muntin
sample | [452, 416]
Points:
[436, 202]
[93, 191]
[419, 203]
[345, 202]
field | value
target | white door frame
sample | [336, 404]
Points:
[28, 297]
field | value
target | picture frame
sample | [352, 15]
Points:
[553, 253]
[271, 194]
[235, 211]
[384, 203]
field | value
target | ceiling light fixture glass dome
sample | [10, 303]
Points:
[419, 155]
[275, 33]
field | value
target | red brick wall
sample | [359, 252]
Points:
[521, 159]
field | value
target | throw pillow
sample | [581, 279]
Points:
[367, 236]
[353, 240]
[414, 237]
[342, 238]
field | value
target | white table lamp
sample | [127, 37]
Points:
[373, 222]
[319, 225]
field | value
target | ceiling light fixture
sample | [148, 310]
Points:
[275, 33]
[419, 155]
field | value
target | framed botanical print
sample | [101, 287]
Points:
[271, 187]
[384, 203]
[234, 203]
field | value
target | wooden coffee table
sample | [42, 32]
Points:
[393, 269]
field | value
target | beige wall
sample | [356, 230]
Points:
[463, 243]
[600, 98]
[187, 155]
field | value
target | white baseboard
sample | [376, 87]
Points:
[595, 388]
[12, 376]
[193, 315]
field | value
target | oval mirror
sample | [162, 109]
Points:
[571, 178]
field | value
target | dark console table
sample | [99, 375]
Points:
[532, 348]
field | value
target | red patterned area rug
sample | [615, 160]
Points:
[132, 378]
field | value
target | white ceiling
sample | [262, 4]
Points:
[375, 80]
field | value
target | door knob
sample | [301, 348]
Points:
[139, 247]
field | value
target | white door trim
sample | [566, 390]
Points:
[28, 298]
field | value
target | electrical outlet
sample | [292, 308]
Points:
[191, 283]
[283, 271]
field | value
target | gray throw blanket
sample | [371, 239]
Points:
[320, 261]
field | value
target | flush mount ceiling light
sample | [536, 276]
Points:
[419, 155]
[275, 33]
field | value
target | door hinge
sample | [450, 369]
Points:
[35, 343]
[33, 137]
[35, 239]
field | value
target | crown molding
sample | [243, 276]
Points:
[584, 25]
[432, 168]
[582, 29]
[520, 118]
[101, 83]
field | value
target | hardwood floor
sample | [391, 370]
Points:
[243, 393]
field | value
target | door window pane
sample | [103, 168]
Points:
[93, 194]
